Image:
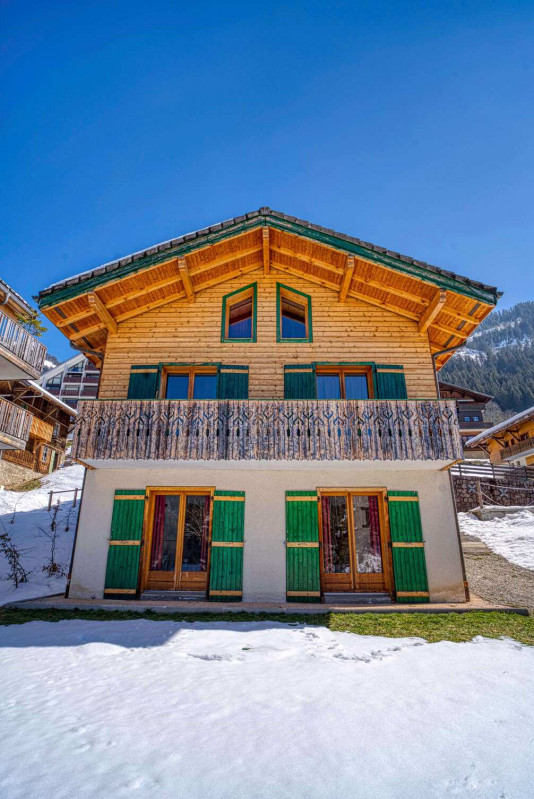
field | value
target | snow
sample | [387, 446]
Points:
[31, 513]
[162, 710]
[511, 536]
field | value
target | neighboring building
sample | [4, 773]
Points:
[471, 405]
[268, 426]
[72, 380]
[51, 420]
[21, 354]
[511, 441]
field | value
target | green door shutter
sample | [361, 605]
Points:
[124, 543]
[227, 539]
[408, 549]
[232, 382]
[390, 382]
[303, 579]
[144, 382]
[299, 381]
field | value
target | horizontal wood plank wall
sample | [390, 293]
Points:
[349, 331]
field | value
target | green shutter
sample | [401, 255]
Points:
[232, 382]
[124, 543]
[407, 545]
[390, 382]
[144, 382]
[227, 540]
[303, 580]
[299, 381]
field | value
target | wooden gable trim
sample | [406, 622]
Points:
[266, 250]
[440, 298]
[102, 312]
[346, 279]
[186, 280]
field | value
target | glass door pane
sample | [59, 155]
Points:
[336, 547]
[367, 534]
[165, 531]
[356, 387]
[196, 528]
[328, 387]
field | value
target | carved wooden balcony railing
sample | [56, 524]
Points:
[20, 348]
[15, 425]
[230, 430]
[517, 449]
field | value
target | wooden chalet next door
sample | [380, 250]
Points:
[178, 542]
[354, 542]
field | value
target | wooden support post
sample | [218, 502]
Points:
[347, 277]
[479, 493]
[186, 280]
[102, 312]
[50, 495]
[266, 250]
[75, 497]
[439, 300]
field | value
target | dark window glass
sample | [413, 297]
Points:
[205, 387]
[163, 555]
[335, 535]
[197, 518]
[240, 319]
[367, 534]
[293, 319]
[356, 387]
[467, 418]
[328, 387]
[177, 386]
[476, 418]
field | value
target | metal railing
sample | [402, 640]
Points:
[267, 430]
[14, 421]
[20, 343]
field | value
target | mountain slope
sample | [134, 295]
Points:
[499, 359]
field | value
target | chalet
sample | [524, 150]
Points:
[74, 379]
[268, 425]
[470, 406]
[511, 441]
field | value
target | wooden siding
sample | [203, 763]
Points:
[349, 331]
[41, 430]
[267, 430]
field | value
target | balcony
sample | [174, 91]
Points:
[267, 430]
[521, 448]
[41, 430]
[15, 425]
[21, 355]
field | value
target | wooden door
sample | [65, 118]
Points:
[177, 555]
[354, 542]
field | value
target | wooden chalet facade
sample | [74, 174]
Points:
[511, 441]
[268, 425]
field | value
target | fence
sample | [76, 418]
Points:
[489, 484]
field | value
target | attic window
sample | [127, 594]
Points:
[294, 315]
[239, 315]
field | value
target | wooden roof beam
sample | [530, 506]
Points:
[437, 303]
[186, 280]
[266, 250]
[102, 312]
[346, 279]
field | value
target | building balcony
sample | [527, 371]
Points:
[15, 424]
[41, 430]
[266, 430]
[525, 447]
[480, 426]
[21, 354]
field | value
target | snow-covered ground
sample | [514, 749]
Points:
[163, 710]
[511, 536]
[30, 515]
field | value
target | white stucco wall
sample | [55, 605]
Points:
[264, 550]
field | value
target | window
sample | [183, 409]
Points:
[190, 383]
[293, 315]
[54, 381]
[467, 418]
[344, 383]
[239, 315]
[476, 418]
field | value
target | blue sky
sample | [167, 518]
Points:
[409, 124]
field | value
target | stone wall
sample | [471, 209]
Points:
[511, 491]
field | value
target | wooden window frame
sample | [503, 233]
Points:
[191, 371]
[151, 493]
[342, 371]
[281, 291]
[250, 290]
[385, 534]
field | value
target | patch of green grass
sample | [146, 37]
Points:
[30, 485]
[431, 626]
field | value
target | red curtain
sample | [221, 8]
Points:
[374, 526]
[157, 533]
[327, 536]
[205, 529]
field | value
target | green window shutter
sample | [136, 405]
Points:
[303, 580]
[125, 542]
[144, 382]
[299, 381]
[390, 382]
[227, 540]
[407, 546]
[232, 382]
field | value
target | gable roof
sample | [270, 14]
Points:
[477, 396]
[446, 306]
[502, 427]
